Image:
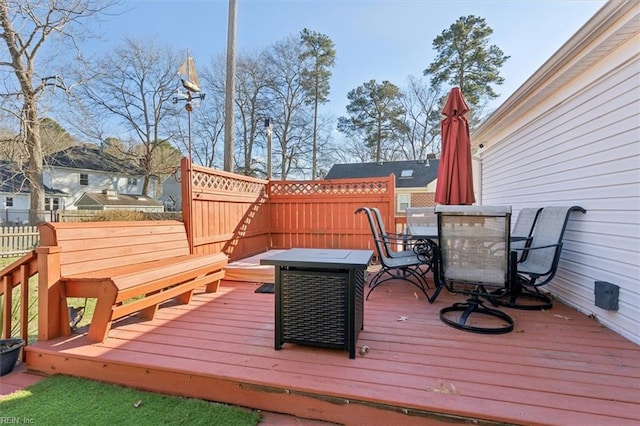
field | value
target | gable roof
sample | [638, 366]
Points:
[14, 181]
[91, 157]
[409, 174]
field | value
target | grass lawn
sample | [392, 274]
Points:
[64, 400]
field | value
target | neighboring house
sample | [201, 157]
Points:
[110, 200]
[87, 168]
[67, 175]
[15, 199]
[172, 192]
[415, 179]
[570, 135]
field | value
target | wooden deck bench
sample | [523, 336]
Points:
[127, 266]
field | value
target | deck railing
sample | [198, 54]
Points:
[16, 276]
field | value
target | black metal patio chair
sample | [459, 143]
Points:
[523, 230]
[406, 268]
[540, 263]
[391, 240]
[475, 259]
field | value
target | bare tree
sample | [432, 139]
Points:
[422, 117]
[290, 112]
[134, 85]
[251, 85]
[28, 27]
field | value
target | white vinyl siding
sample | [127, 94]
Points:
[581, 146]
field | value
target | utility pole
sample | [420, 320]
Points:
[229, 114]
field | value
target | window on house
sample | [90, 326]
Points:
[403, 201]
[84, 179]
[51, 203]
[8, 202]
[407, 173]
[132, 181]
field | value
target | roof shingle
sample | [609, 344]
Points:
[419, 173]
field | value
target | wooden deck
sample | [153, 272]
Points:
[557, 367]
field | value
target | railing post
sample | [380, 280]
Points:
[7, 291]
[52, 305]
[24, 303]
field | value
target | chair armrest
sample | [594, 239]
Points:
[536, 247]
[395, 237]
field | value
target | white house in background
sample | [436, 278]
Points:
[15, 197]
[87, 168]
[67, 175]
[570, 135]
[171, 196]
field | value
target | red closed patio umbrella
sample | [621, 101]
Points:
[455, 179]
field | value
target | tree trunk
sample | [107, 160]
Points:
[314, 160]
[34, 165]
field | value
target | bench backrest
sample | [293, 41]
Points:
[92, 246]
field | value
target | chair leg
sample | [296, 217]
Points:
[535, 300]
[475, 306]
[419, 281]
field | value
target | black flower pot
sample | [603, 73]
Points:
[9, 354]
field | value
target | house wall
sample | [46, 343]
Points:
[172, 192]
[571, 136]
[18, 213]
[68, 180]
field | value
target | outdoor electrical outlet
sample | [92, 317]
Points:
[607, 295]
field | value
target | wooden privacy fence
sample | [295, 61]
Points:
[223, 211]
[243, 216]
[321, 213]
[18, 240]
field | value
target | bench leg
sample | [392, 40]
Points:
[185, 298]
[212, 287]
[149, 313]
[102, 315]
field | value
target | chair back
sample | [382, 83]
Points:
[380, 222]
[385, 242]
[546, 245]
[421, 216]
[474, 245]
[524, 228]
[525, 222]
[374, 224]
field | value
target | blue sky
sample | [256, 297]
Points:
[374, 39]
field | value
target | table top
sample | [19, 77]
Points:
[321, 258]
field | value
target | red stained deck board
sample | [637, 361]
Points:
[558, 367]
